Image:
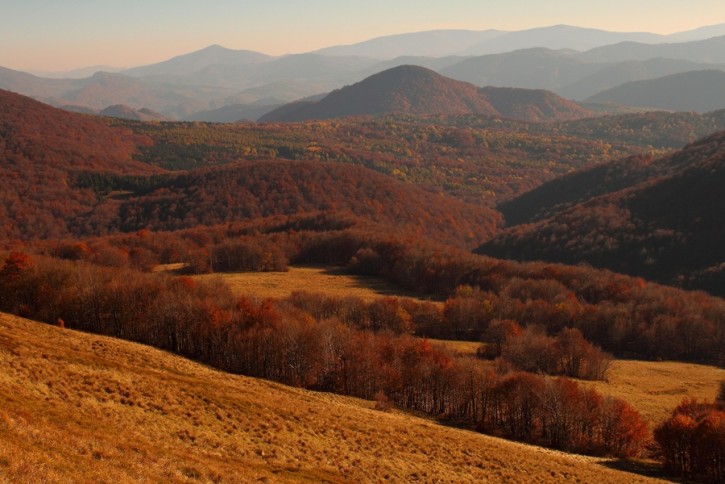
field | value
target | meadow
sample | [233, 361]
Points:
[97, 409]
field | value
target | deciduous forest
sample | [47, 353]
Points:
[92, 210]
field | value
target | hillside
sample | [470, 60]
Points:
[657, 219]
[420, 91]
[239, 192]
[699, 91]
[43, 150]
[532, 104]
[89, 408]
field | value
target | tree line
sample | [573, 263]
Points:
[282, 342]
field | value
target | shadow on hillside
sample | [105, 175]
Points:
[379, 285]
[643, 468]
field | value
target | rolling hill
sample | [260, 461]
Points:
[239, 192]
[84, 407]
[700, 91]
[660, 219]
[620, 73]
[61, 170]
[420, 91]
[124, 112]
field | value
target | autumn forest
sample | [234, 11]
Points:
[556, 247]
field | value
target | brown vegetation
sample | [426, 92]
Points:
[693, 440]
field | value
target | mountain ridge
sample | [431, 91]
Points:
[658, 219]
[699, 91]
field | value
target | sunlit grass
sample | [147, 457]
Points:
[655, 388]
[84, 408]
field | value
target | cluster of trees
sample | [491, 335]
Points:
[693, 439]
[623, 315]
[514, 348]
[531, 349]
[284, 342]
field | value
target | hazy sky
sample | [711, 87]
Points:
[58, 35]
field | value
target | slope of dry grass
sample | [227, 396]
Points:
[655, 388]
[92, 409]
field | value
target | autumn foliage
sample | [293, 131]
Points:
[693, 440]
[309, 344]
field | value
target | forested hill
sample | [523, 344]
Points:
[417, 90]
[42, 149]
[660, 219]
[250, 190]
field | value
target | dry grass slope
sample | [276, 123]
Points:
[92, 409]
[655, 388]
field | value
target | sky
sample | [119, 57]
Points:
[58, 35]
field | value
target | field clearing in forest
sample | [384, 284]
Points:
[330, 281]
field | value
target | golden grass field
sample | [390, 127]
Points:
[655, 388]
[324, 280]
[84, 408]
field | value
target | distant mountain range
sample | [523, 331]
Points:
[576, 63]
[699, 91]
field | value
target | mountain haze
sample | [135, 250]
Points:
[432, 43]
[710, 50]
[557, 37]
[574, 62]
[611, 76]
[195, 61]
[700, 91]
[535, 68]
